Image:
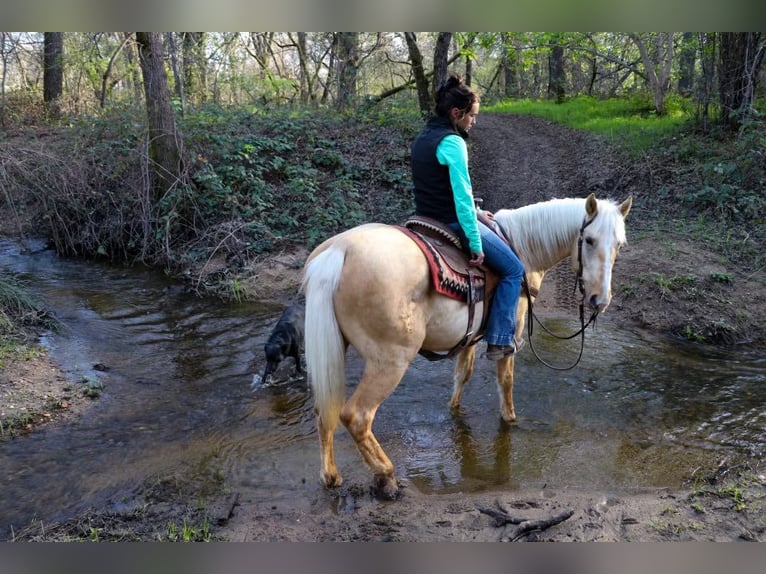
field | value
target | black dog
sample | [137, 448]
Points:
[285, 340]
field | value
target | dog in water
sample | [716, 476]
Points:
[286, 340]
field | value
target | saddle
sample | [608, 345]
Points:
[451, 275]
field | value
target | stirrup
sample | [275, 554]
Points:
[504, 351]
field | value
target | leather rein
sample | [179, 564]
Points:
[531, 317]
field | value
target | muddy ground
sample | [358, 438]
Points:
[663, 281]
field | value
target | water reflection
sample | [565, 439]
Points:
[491, 465]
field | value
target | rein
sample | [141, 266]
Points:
[531, 317]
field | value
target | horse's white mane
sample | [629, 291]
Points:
[542, 231]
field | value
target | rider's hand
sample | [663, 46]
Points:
[476, 259]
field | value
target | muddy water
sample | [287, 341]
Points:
[637, 412]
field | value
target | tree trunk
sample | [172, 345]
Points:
[331, 69]
[468, 70]
[53, 72]
[178, 82]
[441, 52]
[348, 60]
[511, 84]
[307, 89]
[556, 79]
[687, 61]
[657, 73]
[194, 66]
[741, 56]
[108, 71]
[134, 67]
[421, 82]
[4, 61]
[707, 44]
[165, 145]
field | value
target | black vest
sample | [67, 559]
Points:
[432, 187]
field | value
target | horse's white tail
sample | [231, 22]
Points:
[325, 350]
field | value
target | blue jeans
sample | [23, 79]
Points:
[501, 324]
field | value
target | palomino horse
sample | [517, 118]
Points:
[370, 287]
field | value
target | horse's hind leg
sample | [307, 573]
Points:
[379, 381]
[464, 366]
[329, 471]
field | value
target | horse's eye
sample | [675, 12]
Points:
[589, 240]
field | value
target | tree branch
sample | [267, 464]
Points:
[525, 525]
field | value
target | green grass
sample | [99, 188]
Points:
[631, 123]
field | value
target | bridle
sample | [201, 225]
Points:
[579, 283]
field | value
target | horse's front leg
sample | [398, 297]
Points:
[505, 388]
[464, 366]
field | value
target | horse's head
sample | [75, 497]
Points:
[593, 255]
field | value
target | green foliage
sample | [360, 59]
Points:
[188, 532]
[629, 122]
[724, 278]
[733, 183]
[294, 176]
[91, 388]
[673, 283]
[736, 494]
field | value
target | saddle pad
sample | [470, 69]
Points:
[448, 265]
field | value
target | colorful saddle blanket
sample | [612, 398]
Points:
[448, 262]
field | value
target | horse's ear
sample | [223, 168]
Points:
[591, 205]
[625, 206]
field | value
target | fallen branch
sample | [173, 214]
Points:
[501, 517]
[525, 525]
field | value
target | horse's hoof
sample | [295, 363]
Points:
[508, 416]
[385, 487]
[331, 480]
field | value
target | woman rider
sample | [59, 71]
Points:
[443, 192]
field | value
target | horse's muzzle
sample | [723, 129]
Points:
[596, 305]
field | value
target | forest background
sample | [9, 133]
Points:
[206, 153]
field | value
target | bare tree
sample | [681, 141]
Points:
[741, 56]
[556, 74]
[53, 71]
[108, 70]
[305, 76]
[194, 65]
[705, 93]
[687, 60]
[419, 73]
[441, 64]
[348, 68]
[657, 72]
[178, 81]
[4, 44]
[164, 142]
[133, 66]
[508, 64]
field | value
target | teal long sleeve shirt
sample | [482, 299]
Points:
[453, 152]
